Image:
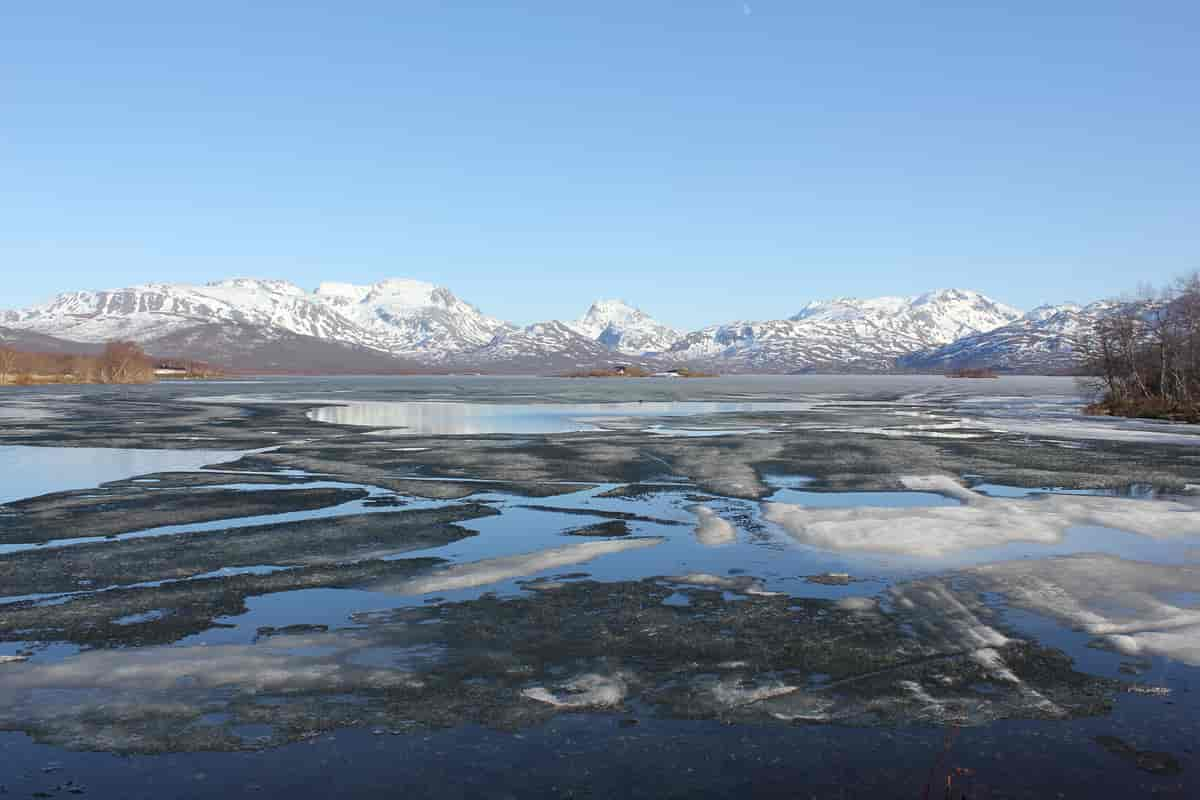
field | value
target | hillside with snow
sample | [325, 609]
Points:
[152, 311]
[936, 317]
[412, 318]
[846, 333]
[542, 348]
[1047, 339]
[401, 324]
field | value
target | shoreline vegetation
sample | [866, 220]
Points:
[1145, 409]
[972, 372]
[1141, 360]
[120, 362]
[1145, 356]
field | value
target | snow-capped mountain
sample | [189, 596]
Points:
[545, 346]
[936, 317]
[1046, 339]
[151, 311]
[621, 327]
[398, 317]
[412, 317]
[401, 324]
[845, 333]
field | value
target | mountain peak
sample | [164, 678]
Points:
[1045, 312]
[948, 295]
[604, 311]
[611, 304]
[268, 285]
[342, 291]
[622, 327]
[396, 292]
[945, 314]
[403, 318]
[405, 290]
[412, 316]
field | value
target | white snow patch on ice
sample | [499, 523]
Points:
[584, 691]
[990, 659]
[981, 521]
[732, 693]
[712, 530]
[494, 570]
[1109, 431]
[944, 619]
[861, 604]
[1132, 606]
[741, 584]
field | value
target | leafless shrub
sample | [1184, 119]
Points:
[125, 362]
[1146, 354]
[8, 364]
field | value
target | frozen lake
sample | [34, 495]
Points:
[441, 418]
[333, 570]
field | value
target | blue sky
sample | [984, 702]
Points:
[706, 160]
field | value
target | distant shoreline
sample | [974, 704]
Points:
[638, 372]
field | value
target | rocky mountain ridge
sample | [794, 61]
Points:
[410, 325]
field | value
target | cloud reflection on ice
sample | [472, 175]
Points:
[980, 521]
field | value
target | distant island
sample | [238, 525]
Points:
[972, 372]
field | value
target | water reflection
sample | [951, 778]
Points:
[858, 608]
[691, 647]
[30, 471]
[981, 521]
[451, 419]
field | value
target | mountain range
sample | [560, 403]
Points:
[407, 325]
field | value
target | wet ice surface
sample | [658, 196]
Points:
[443, 418]
[23, 412]
[30, 471]
[636, 626]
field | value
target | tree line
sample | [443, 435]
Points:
[1145, 354]
[119, 362]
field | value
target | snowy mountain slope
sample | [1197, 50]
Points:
[237, 347]
[621, 327]
[936, 317]
[845, 333]
[30, 342]
[401, 324]
[151, 311]
[399, 317]
[1046, 339]
[786, 346]
[257, 349]
[545, 347]
[412, 317]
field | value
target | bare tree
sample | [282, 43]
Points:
[121, 362]
[1147, 353]
[82, 369]
[8, 364]
[124, 362]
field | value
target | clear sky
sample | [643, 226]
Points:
[705, 160]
